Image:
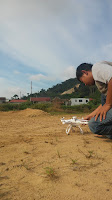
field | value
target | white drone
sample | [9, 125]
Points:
[74, 122]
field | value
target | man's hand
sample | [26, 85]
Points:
[102, 112]
[88, 117]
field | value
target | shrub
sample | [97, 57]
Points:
[10, 106]
[89, 107]
[41, 106]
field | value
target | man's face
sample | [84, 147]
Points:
[87, 78]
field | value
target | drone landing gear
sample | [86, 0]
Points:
[69, 127]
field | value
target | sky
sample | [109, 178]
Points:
[44, 41]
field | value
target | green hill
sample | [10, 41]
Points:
[57, 90]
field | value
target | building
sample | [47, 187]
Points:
[2, 100]
[18, 101]
[40, 99]
[79, 101]
[57, 102]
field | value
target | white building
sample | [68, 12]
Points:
[79, 101]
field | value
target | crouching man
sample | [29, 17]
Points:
[100, 120]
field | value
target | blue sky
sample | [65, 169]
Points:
[43, 41]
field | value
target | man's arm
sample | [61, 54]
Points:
[108, 105]
[109, 93]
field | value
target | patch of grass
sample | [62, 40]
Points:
[4, 194]
[78, 184]
[26, 152]
[24, 165]
[11, 106]
[90, 154]
[58, 154]
[86, 155]
[2, 163]
[85, 142]
[41, 106]
[73, 161]
[3, 178]
[56, 139]
[50, 172]
[47, 107]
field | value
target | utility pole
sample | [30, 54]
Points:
[31, 87]
[20, 94]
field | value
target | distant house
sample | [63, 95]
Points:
[40, 99]
[2, 100]
[57, 101]
[18, 101]
[79, 101]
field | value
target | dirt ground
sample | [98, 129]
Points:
[38, 161]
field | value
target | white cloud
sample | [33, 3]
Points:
[69, 72]
[38, 77]
[2, 80]
[102, 53]
[16, 72]
[14, 90]
[107, 51]
[37, 8]
[47, 36]
[26, 31]
[35, 33]
[10, 91]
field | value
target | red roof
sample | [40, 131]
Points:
[40, 99]
[91, 99]
[18, 101]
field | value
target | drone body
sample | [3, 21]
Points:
[74, 122]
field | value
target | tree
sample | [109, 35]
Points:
[15, 96]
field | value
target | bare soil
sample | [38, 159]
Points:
[38, 161]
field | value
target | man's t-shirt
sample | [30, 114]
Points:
[102, 73]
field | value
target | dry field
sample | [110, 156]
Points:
[38, 161]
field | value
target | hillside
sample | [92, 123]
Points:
[78, 90]
[70, 91]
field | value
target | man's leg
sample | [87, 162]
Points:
[101, 128]
[104, 127]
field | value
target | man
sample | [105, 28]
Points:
[100, 74]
